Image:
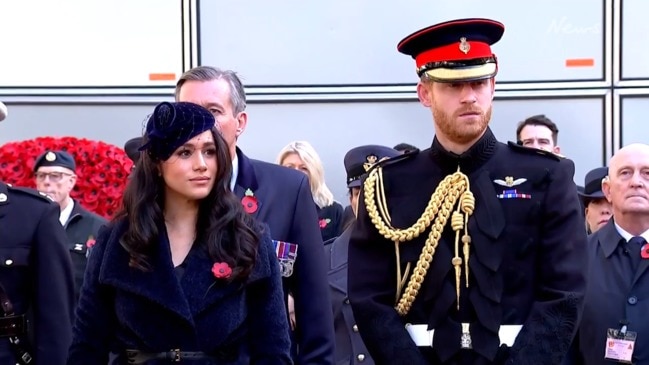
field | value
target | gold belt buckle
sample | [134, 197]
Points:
[465, 340]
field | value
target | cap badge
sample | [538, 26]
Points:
[464, 45]
[371, 160]
[50, 156]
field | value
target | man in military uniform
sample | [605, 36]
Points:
[349, 345]
[35, 275]
[471, 251]
[55, 173]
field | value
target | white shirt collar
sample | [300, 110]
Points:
[65, 213]
[235, 171]
[627, 236]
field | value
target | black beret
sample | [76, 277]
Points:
[457, 50]
[55, 158]
[131, 147]
[173, 124]
[359, 160]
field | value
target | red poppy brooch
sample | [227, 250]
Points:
[644, 251]
[221, 270]
[324, 222]
[90, 242]
[249, 202]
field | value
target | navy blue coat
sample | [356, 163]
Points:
[615, 293]
[286, 205]
[36, 272]
[123, 308]
[80, 227]
[528, 259]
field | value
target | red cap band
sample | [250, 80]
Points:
[454, 52]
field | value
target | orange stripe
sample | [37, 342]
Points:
[162, 76]
[580, 62]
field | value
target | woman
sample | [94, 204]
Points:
[303, 157]
[182, 274]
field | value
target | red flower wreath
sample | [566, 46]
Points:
[102, 169]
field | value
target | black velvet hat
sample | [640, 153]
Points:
[55, 158]
[173, 124]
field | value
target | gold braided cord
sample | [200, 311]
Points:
[439, 208]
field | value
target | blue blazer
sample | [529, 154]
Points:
[286, 205]
[36, 273]
[124, 308]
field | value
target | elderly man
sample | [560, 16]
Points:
[35, 278]
[56, 177]
[614, 326]
[470, 252]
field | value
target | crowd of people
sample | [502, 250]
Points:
[468, 252]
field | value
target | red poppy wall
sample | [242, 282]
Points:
[102, 169]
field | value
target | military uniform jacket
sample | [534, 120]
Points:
[285, 204]
[350, 348]
[527, 261]
[82, 226]
[35, 272]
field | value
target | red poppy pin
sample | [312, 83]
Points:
[644, 251]
[249, 202]
[221, 270]
[90, 242]
[324, 222]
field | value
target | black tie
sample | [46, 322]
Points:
[634, 245]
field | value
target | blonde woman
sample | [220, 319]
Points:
[300, 155]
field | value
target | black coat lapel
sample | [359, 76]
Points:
[201, 288]
[159, 285]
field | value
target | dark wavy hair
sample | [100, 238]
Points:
[228, 232]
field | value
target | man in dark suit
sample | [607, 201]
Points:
[472, 251]
[279, 197]
[350, 348]
[35, 276]
[614, 327]
[55, 173]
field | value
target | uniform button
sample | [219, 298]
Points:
[9, 262]
[355, 328]
[360, 357]
[632, 300]
[346, 301]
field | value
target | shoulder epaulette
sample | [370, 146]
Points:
[30, 192]
[534, 151]
[396, 159]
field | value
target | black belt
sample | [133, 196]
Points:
[137, 357]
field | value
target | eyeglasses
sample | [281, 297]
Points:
[54, 176]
